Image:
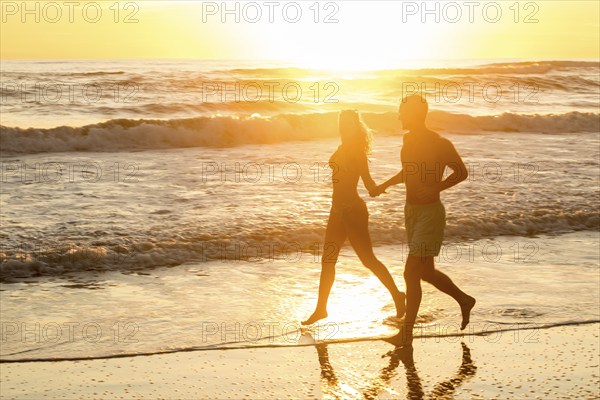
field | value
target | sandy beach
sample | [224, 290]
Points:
[555, 363]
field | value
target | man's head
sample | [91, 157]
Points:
[413, 110]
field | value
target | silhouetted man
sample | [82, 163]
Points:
[425, 155]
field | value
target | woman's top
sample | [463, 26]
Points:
[345, 174]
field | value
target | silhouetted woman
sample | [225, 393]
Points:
[349, 217]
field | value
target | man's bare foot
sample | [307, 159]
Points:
[465, 308]
[403, 338]
[400, 302]
[317, 315]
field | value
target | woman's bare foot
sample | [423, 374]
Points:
[317, 315]
[400, 302]
[465, 308]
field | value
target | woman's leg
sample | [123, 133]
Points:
[358, 233]
[334, 239]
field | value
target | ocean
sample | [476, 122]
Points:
[152, 206]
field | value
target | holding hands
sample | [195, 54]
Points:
[377, 191]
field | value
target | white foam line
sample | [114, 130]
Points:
[221, 346]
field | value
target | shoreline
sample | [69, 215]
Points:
[547, 362]
[306, 340]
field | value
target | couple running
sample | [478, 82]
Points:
[425, 156]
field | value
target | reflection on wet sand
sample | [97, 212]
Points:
[334, 389]
[466, 370]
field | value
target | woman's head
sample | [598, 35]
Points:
[353, 131]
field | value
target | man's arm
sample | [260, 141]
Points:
[459, 174]
[456, 164]
[394, 180]
[400, 177]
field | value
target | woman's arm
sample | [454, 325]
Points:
[394, 180]
[365, 174]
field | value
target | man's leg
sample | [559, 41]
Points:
[443, 283]
[429, 241]
[412, 278]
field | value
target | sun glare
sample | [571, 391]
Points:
[341, 36]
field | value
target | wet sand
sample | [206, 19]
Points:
[559, 362]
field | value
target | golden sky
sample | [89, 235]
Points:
[359, 34]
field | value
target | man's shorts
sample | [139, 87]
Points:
[425, 225]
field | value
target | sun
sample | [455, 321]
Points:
[364, 38]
